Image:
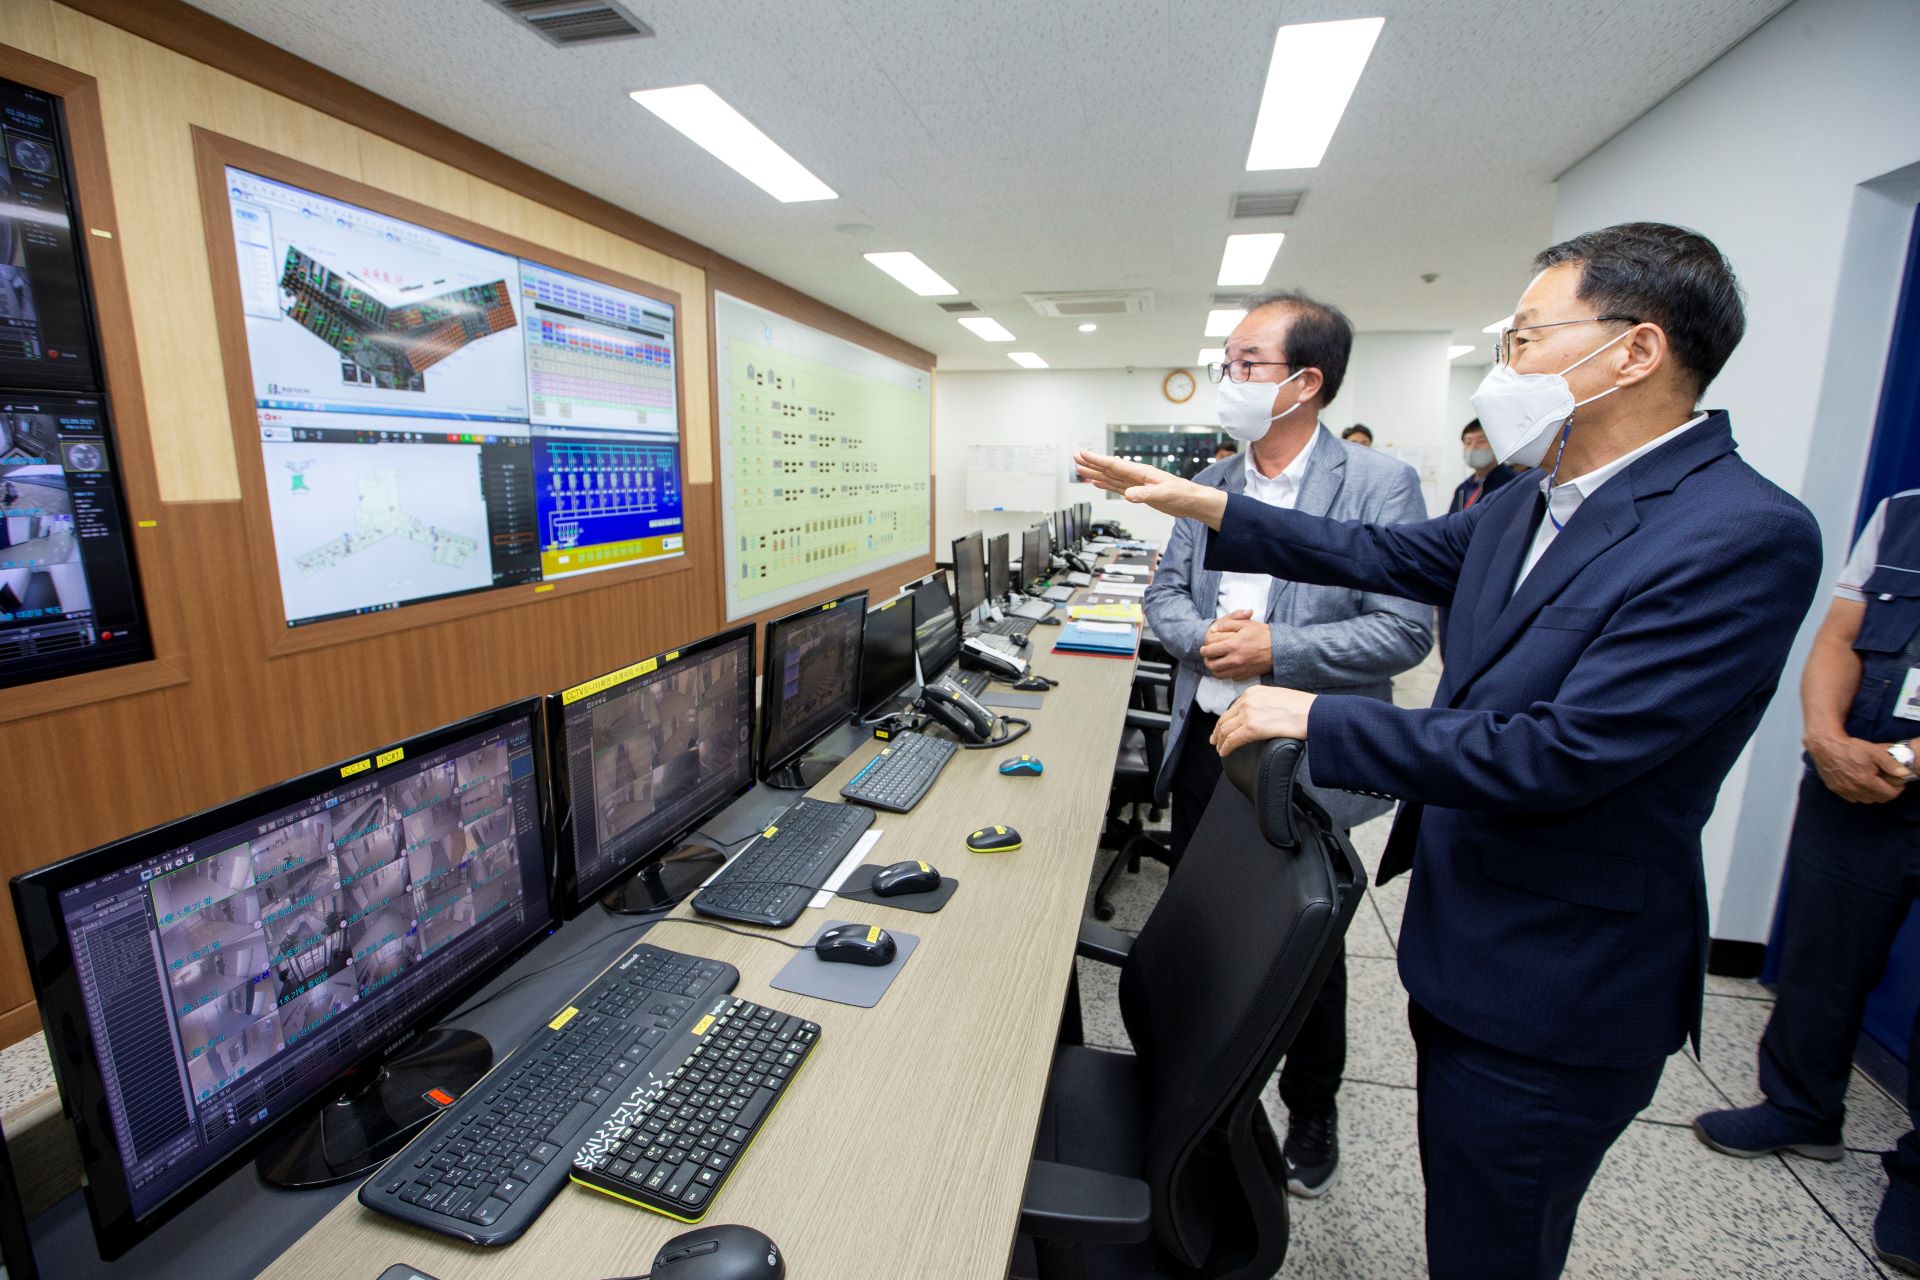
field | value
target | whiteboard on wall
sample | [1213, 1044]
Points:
[826, 454]
[1011, 477]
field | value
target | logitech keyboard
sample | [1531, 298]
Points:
[1032, 607]
[903, 771]
[771, 880]
[670, 1143]
[488, 1164]
[1013, 625]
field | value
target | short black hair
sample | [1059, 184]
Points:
[1320, 337]
[1666, 275]
[1472, 426]
[1357, 429]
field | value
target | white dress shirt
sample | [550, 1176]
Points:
[1250, 591]
[1565, 498]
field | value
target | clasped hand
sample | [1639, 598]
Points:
[1237, 648]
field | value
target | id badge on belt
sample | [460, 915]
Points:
[1907, 705]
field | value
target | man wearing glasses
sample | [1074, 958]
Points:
[1233, 631]
[1619, 620]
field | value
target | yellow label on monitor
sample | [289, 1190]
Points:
[888, 605]
[700, 1027]
[602, 683]
[386, 758]
[562, 1018]
[145, 524]
[569, 561]
[671, 656]
[358, 766]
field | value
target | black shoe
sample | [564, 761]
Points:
[1312, 1153]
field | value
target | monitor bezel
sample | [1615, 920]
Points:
[978, 539]
[768, 763]
[932, 580]
[50, 964]
[903, 599]
[1001, 541]
[1032, 575]
[569, 898]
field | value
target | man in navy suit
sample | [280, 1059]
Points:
[1618, 621]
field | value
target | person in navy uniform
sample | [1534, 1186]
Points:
[1853, 873]
[1487, 473]
[1619, 619]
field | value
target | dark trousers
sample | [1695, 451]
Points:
[1508, 1144]
[1853, 872]
[1310, 1075]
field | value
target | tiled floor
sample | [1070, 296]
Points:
[1662, 1205]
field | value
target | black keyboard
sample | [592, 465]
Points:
[670, 1143]
[487, 1165]
[1008, 626]
[974, 682]
[903, 771]
[773, 878]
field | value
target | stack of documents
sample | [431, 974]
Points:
[1100, 639]
[1106, 613]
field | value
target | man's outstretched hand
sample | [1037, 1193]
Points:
[1161, 490]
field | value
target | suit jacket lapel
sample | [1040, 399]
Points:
[1326, 472]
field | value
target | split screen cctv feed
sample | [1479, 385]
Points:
[69, 588]
[207, 984]
[642, 756]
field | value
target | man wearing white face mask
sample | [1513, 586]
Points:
[1234, 631]
[1619, 620]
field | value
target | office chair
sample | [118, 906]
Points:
[1161, 1163]
[1143, 748]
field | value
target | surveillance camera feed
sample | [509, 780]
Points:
[228, 978]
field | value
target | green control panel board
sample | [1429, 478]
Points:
[826, 450]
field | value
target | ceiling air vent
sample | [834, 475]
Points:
[570, 22]
[1097, 302]
[1228, 300]
[1266, 204]
[959, 308]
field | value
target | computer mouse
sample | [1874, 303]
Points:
[905, 877]
[1019, 642]
[856, 944]
[1048, 621]
[994, 839]
[1031, 684]
[725, 1252]
[1022, 767]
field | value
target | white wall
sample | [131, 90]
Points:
[1462, 382]
[1789, 153]
[1397, 385]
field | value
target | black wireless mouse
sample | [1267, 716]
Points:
[1019, 642]
[856, 944]
[905, 877]
[1031, 684]
[1048, 621]
[725, 1252]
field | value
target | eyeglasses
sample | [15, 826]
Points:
[1504, 353]
[1242, 370]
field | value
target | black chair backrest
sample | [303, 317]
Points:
[1223, 973]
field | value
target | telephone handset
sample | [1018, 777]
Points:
[959, 710]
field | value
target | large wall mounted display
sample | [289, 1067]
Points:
[437, 417]
[825, 457]
[69, 595]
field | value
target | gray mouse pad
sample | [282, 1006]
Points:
[860, 878]
[855, 984]
[1013, 701]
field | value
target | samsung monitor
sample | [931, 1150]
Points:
[999, 573]
[811, 685]
[209, 985]
[1033, 557]
[642, 756]
[936, 629]
[970, 573]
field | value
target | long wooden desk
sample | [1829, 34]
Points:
[902, 1148]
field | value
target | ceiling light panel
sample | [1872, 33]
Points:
[708, 120]
[1312, 74]
[988, 328]
[1220, 322]
[911, 272]
[1248, 258]
[1026, 359]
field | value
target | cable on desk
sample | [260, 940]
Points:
[575, 954]
[711, 924]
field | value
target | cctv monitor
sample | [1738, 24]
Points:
[641, 757]
[1033, 557]
[999, 575]
[208, 986]
[969, 573]
[811, 684]
[936, 630]
[886, 654]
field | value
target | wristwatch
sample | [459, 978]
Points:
[1902, 754]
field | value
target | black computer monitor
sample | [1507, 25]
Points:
[999, 572]
[1033, 556]
[642, 756]
[936, 629]
[1059, 533]
[886, 654]
[812, 684]
[1084, 515]
[970, 573]
[206, 985]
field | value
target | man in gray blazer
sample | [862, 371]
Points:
[1284, 363]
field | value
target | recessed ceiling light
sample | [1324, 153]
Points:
[1314, 68]
[911, 272]
[990, 329]
[1459, 349]
[1249, 257]
[706, 118]
[1089, 327]
[1211, 355]
[1498, 325]
[1026, 359]
[1221, 320]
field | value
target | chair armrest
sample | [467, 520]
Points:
[1103, 942]
[1066, 1202]
[1151, 721]
[1152, 678]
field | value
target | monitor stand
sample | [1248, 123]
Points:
[801, 775]
[665, 881]
[377, 1113]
